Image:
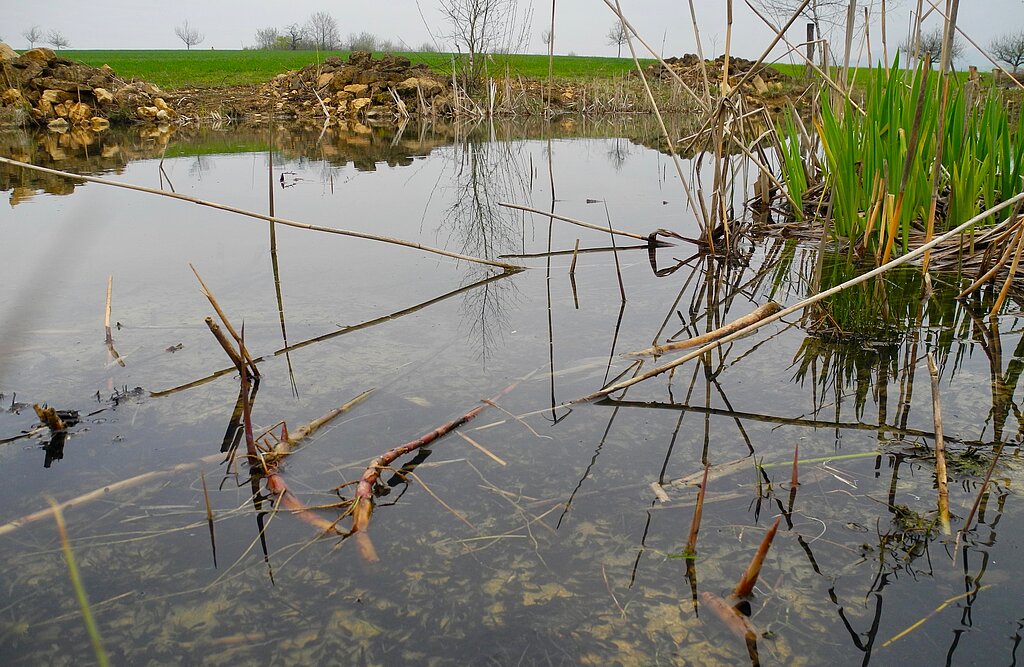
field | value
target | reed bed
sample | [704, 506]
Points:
[877, 170]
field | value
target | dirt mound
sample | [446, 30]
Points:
[362, 86]
[764, 81]
[42, 88]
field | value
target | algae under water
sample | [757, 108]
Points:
[564, 554]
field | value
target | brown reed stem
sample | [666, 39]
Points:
[940, 447]
[746, 584]
[698, 511]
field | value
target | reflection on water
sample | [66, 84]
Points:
[538, 537]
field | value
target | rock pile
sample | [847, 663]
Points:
[48, 90]
[765, 81]
[362, 86]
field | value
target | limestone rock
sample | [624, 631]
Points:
[357, 89]
[58, 125]
[55, 96]
[358, 104]
[7, 53]
[11, 97]
[103, 96]
[37, 55]
[325, 79]
[147, 113]
[98, 124]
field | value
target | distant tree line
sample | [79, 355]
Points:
[320, 31]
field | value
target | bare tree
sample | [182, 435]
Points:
[363, 41]
[323, 30]
[825, 16]
[189, 35]
[294, 34]
[617, 37]
[1009, 48]
[33, 35]
[57, 40]
[930, 43]
[545, 37]
[480, 27]
[266, 38]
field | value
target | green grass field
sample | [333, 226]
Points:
[199, 68]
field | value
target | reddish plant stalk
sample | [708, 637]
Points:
[746, 583]
[362, 504]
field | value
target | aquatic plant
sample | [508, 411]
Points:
[879, 162]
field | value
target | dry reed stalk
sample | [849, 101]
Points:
[885, 44]
[76, 583]
[261, 216]
[903, 259]
[980, 50]
[1009, 279]
[760, 313]
[708, 231]
[228, 347]
[999, 264]
[104, 492]
[227, 324]
[580, 223]
[700, 56]
[940, 447]
[746, 584]
[817, 69]
[728, 43]
[575, 253]
[494, 457]
[698, 511]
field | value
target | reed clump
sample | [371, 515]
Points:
[873, 167]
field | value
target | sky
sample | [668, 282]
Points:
[581, 25]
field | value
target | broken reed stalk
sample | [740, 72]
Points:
[903, 259]
[108, 334]
[575, 254]
[227, 323]
[49, 417]
[698, 511]
[362, 504]
[209, 516]
[940, 448]
[794, 478]
[277, 485]
[260, 216]
[580, 223]
[759, 314]
[106, 312]
[228, 347]
[745, 586]
[76, 583]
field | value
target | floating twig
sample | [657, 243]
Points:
[942, 606]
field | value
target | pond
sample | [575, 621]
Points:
[543, 531]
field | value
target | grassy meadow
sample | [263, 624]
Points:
[209, 68]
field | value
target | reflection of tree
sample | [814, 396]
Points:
[618, 152]
[485, 171]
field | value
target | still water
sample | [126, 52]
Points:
[535, 534]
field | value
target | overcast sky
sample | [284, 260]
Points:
[581, 25]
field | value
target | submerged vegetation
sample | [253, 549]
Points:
[393, 276]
